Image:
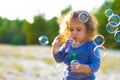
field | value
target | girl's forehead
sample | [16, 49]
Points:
[76, 23]
[74, 20]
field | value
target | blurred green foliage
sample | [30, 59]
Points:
[21, 32]
[103, 20]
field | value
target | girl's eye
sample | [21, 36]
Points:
[71, 29]
[78, 29]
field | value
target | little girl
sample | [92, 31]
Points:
[78, 47]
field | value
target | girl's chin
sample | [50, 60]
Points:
[75, 41]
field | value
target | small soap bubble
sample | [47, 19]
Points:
[74, 64]
[114, 18]
[108, 12]
[110, 28]
[99, 51]
[83, 17]
[99, 39]
[43, 40]
[117, 36]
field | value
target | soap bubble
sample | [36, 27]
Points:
[117, 36]
[43, 40]
[113, 24]
[99, 40]
[83, 17]
[114, 18]
[99, 51]
[74, 64]
[110, 29]
[108, 12]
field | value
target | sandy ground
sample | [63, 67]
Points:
[37, 63]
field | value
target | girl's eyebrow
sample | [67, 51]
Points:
[69, 27]
[78, 27]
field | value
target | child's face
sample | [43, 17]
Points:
[78, 32]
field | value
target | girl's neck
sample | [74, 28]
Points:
[75, 44]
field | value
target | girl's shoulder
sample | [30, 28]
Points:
[91, 43]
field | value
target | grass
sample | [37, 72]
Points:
[110, 62]
[11, 57]
[48, 60]
[1, 64]
[18, 55]
[18, 67]
[36, 74]
[2, 76]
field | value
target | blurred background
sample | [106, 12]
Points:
[22, 22]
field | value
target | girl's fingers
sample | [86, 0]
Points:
[59, 37]
[57, 40]
[74, 70]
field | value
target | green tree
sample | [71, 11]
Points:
[27, 28]
[52, 29]
[34, 30]
[66, 10]
[17, 32]
[4, 31]
[11, 31]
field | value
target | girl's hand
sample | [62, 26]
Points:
[81, 68]
[77, 68]
[57, 43]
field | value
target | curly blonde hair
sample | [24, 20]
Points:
[64, 22]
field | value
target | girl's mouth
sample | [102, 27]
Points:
[74, 38]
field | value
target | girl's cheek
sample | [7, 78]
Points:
[70, 34]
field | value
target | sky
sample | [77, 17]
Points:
[27, 9]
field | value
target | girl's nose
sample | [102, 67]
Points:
[74, 33]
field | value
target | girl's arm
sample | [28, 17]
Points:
[94, 62]
[57, 52]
